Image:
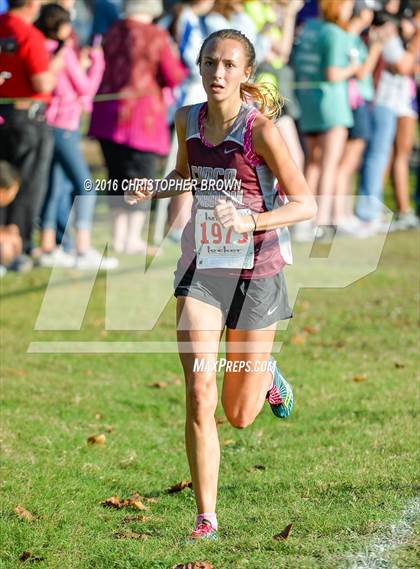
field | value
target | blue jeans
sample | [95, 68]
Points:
[375, 161]
[68, 173]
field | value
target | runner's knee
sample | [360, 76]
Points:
[201, 392]
[239, 418]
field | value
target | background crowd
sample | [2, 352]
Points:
[346, 69]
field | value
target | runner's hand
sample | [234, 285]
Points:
[227, 215]
[141, 193]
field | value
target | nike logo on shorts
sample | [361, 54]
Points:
[270, 312]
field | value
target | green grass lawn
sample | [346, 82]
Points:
[341, 469]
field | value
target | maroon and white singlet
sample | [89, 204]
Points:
[231, 168]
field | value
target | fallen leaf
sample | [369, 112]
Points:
[298, 339]
[312, 329]
[194, 565]
[133, 502]
[136, 504]
[24, 514]
[399, 365]
[151, 500]
[99, 416]
[135, 496]
[359, 378]
[284, 534]
[228, 442]
[159, 384]
[97, 439]
[257, 467]
[176, 382]
[25, 555]
[113, 502]
[129, 534]
[109, 428]
[13, 372]
[180, 486]
[220, 420]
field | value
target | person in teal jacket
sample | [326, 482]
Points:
[323, 68]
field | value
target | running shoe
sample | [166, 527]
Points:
[280, 396]
[203, 530]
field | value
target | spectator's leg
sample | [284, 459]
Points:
[313, 147]
[333, 143]
[77, 171]
[138, 165]
[63, 237]
[375, 161]
[113, 156]
[348, 166]
[417, 194]
[30, 146]
[52, 202]
[404, 143]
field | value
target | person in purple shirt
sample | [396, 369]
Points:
[130, 120]
[233, 250]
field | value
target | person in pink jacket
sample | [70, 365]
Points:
[76, 85]
[131, 120]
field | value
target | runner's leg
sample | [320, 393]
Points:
[244, 392]
[199, 328]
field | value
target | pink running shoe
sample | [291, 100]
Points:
[203, 530]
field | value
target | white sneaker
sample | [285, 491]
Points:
[354, 227]
[349, 225]
[303, 232]
[405, 221]
[57, 258]
[93, 260]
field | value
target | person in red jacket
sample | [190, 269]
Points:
[25, 139]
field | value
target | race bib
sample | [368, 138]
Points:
[218, 247]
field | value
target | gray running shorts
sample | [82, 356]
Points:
[245, 304]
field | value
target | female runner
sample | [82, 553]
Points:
[233, 251]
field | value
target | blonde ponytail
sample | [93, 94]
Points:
[265, 96]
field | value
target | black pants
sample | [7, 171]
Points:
[124, 162]
[26, 143]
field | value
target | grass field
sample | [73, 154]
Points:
[341, 469]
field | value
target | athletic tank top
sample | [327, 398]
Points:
[232, 169]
